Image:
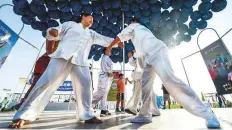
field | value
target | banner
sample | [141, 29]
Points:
[218, 61]
[66, 86]
[8, 39]
[113, 89]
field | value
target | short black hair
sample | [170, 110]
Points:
[104, 50]
[85, 14]
[120, 75]
[135, 20]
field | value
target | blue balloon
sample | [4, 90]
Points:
[182, 28]
[37, 9]
[203, 1]
[177, 4]
[166, 4]
[129, 46]
[95, 25]
[98, 10]
[99, 29]
[88, 9]
[97, 57]
[202, 24]
[140, 1]
[162, 23]
[125, 7]
[116, 29]
[113, 19]
[18, 11]
[145, 6]
[182, 19]
[134, 7]
[156, 7]
[207, 15]
[138, 14]
[108, 13]
[190, 3]
[175, 14]
[144, 20]
[106, 5]
[116, 12]
[112, 35]
[195, 15]
[193, 24]
[20, 3]
[39, 2]
[128, 14]
[218, 5]
[128, 1]
[116, 4]
[109, 25]
[44, 17]
[76, 5]
[65, 8]
[192, 31]
[61, 4]
[85, 2]
[171, 24]
[27, 20]
[185, 13]
[205, 7]
[54, 14]
[53, 23]
[76, 19]
[103, 22]
[106, 32]
[51, 4]
[187, 38]
[97, 17]
[77, 13]
[66, 15]
[146, 13]
[153, 1]
[44, 34]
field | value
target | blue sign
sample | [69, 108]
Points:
[66, 86]
[8, 39]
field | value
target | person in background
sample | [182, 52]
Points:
[230, 76]
[52, 41]
[4, 104]
[104, 82]
[120, 94]
[166, 97]
[132, 105]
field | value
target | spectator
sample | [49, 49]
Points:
[4, 104]
[166, 97]
[120, 94]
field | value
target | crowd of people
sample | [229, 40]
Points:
[71, 57]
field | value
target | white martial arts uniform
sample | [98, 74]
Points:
[136, 98]
[104, 82]
[154, 55]
[71, 57]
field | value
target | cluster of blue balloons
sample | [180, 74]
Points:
[172, 21]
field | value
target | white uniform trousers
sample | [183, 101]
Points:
[181, 92]
[136, 98]
[56, 72]
[103, 88]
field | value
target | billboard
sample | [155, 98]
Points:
[8, 39]
[218, 61]
[113, 89]
[66, 86]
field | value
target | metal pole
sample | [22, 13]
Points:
[185, 71]
[124, 79]
[69, 100]
[31, 70]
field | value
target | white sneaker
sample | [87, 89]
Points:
[141, 119]
[213, 123]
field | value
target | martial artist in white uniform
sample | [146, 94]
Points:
[136, 98]
[71, 57]
[104, 82]
[154, 56]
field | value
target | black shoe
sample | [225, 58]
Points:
[129, 112]
[122, 110]
[105, 113]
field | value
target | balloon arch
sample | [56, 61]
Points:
[172, 21]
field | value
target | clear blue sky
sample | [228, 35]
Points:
[22, 57]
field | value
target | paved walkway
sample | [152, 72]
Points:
[177, 119]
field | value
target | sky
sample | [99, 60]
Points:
[22, 57]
